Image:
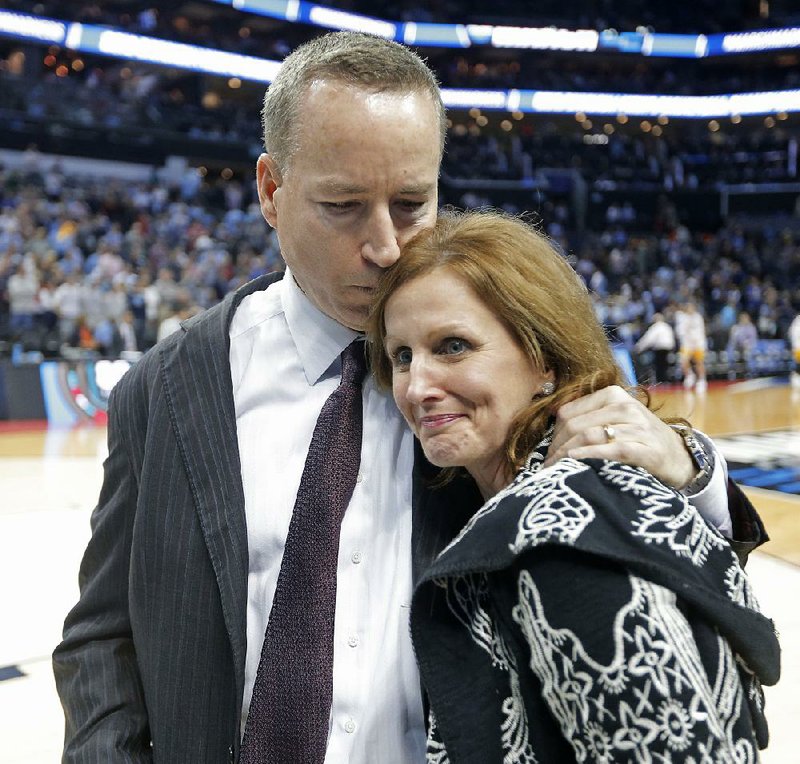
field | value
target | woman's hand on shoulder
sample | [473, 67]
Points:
[611, 424]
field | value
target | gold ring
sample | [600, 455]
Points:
[611, 434]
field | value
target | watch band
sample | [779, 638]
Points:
[702, 459]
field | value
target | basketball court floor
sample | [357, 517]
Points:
[49, 481]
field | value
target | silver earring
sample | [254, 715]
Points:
[548, 388]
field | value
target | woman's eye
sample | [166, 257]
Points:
[454, 346]
[401, 357]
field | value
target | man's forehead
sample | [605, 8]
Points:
[332, 87]
[343, 186]
[409, 100]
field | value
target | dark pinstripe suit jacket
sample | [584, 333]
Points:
[152, 662]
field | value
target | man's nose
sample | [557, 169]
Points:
[380, 245]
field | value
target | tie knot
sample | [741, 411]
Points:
[354, 363]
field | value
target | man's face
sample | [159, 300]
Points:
[362, 182]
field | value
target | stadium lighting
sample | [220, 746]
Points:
[88, 38]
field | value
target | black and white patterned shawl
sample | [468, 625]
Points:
[588, 613]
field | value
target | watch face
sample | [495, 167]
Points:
[702, 456]
[697, 452]
[701, 461]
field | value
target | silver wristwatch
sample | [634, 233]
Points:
[702, 458]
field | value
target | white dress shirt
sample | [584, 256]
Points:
[284, 356]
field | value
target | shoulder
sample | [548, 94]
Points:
[605, 508]
[201, 336]
[608, 509]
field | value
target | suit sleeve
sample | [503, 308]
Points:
[748, 529]
[95, 666]
[619, 665]
[723, 505]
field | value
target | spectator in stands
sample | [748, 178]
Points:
[727, 315]
[46, 315]
[767, 323]
[125, 335]
[105, 336]
[107, 264]
[83, 336]
[69, 303]
[660, 340]
[742, 341]
[208, 438]
[690, 328]
[23, 291]
[115, 300]
[138, 308]
[166, 289]
[151, 296]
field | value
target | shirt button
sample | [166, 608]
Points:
[356, 557]
[350, 726]
[359, 478]
[353, 640]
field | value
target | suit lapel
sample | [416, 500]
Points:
[198, 386]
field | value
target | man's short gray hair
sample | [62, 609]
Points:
[351, 58]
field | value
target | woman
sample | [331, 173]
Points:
[585, 612]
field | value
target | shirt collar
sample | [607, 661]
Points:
[318, 338]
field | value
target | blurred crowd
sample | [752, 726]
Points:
[105, 266]
[108, 267]
[691, 158]
[730, 295]
[119, 108]
[101, 268]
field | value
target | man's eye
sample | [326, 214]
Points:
[409, 205]
[454, 346]
[339, 206]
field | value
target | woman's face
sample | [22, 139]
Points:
[458, 375]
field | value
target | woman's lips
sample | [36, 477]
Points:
[438, 420]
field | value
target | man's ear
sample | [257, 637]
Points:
[269, 180]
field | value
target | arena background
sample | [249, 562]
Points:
[658, 146]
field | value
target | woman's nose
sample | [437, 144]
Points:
[422, 382]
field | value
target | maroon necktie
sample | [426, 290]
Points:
[293, 691]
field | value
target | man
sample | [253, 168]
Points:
[209, 433]
[660, 339]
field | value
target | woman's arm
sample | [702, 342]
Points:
[642, 439]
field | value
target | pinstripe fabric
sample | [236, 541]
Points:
[154, 649]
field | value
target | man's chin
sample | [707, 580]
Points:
[354, 318]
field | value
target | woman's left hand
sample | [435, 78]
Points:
[610, 424]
